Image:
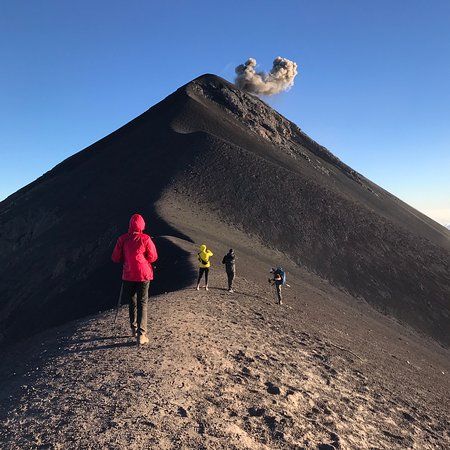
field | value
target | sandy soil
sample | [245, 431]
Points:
[222, 370]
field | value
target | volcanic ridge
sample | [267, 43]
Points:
[357, 358]
[210, 148]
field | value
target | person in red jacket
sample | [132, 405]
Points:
[137, 252]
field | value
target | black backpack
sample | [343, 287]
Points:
[201, 260]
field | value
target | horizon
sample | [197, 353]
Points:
[85, 82]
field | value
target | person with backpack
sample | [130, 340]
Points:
[137, 252]
[229, 260]
[278, 279]
[204, 264]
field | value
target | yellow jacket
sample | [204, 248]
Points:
[204, 255]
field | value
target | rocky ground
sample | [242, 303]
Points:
[222, 371]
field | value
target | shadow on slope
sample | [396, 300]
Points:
[57, 234]
[174, 269]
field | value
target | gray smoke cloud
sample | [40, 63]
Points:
[279, 79]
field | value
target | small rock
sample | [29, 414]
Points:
[408, 417]
[335, 440]
[272, 389]
[256, 412]
[182, 412]
[279, 435]
[147, 423]
[271, 422]
[326, 447]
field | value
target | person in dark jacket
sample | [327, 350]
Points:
[277, 280]
[137, 252]
[230, 266]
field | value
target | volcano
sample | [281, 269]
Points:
[211, 163]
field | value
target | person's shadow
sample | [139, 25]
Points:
[102, 347]
[105, 338]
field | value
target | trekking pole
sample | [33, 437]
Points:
[118, 304]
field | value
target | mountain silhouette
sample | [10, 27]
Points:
[211, 162]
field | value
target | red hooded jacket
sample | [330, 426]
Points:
[137, 252]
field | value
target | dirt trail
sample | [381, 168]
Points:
[221, 371]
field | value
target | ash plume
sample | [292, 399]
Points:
[279, 79]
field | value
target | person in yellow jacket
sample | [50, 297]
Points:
[203, 265]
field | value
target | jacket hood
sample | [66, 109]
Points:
[137, 224]
[202, 248]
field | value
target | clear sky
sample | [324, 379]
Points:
[374, 82]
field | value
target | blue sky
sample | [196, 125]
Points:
[373, 87]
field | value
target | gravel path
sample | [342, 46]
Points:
[222, 371]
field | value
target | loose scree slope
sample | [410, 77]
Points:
[220, 150]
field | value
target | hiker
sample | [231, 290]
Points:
[230, 267]
[137, 252]
[278, 279]
[204, 265]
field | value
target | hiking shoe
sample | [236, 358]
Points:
[197, 288]
[142, 339]
[133, 332]
[230, 290]
[206, 288]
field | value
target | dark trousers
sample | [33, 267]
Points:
[201, 271]
[136, 293]
[230, 276]
[278, 290]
